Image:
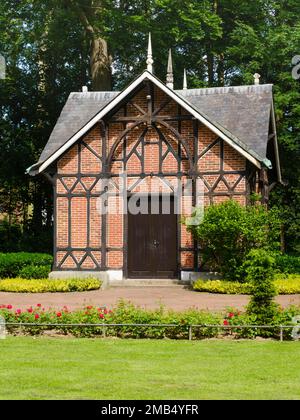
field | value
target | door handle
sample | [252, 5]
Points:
[156, 243]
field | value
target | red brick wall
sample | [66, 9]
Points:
[77, 187]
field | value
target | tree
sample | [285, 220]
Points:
[90, 13]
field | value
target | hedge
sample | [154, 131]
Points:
[287, 286]
[287, 264]
[46, 285]
[12, 264]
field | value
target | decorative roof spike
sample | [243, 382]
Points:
[149, 55]
[170, 77]
[184, 87]
[256, 78]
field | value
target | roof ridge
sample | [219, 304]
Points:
[227, 90]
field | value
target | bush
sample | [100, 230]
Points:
[222, 287]
[35, 272]
[49, 285]
[234, 318]
[229, 231]
[288, 286]
[284, 286]
[288, 264]
[259, 267]
[11, 264]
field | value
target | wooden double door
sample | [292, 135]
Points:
[152, 239]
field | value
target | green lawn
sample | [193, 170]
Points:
[48, 368]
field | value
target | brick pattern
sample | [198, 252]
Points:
[78, 184]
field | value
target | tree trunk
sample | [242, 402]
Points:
[221, 78]
[99, 57]
[100, 65]
[210, 67]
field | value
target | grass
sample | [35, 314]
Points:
[58, 368]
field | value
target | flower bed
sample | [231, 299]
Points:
[284, 286]
[49, 285]
[173, 325]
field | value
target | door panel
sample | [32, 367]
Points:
[152, 244]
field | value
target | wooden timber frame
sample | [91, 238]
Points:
[151, 119]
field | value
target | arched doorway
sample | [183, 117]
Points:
[155, 160]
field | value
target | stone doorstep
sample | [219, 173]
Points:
[147, 283]
[114, 278]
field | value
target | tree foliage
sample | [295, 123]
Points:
[54, 47]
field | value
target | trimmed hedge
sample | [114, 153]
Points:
[287, 286]
[287, 264]
[12, 264]
[47, 285]
[35, 272]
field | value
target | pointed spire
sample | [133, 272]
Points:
[170, 77]
[149, 55]
[184, 80]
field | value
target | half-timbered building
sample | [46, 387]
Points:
[159, 138]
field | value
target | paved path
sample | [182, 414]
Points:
[177, 298]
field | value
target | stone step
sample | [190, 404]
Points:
[147, 283]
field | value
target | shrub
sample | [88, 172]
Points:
[12, 263]
[229, 231]
[222, 287]
[288, 264]
[234, 318]
[48, 285]
[35, 272]
[259, 267]
[283, 286]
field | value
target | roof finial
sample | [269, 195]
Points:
[184, 80]
[256, 78]
[149, 55]
[170, 77]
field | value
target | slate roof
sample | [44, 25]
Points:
[241, 111]
[79, 109]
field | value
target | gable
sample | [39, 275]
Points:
[83, 110]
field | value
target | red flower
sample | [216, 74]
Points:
[225, 322]
[18, 311]
[36, 316]
[38, 305]
[231, 314]
[101, 316]
[89, 307]
[9, 307]
[110, 312]
[105, 311]
[29, 310]
[58, 314]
